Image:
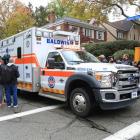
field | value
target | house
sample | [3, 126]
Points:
[122, 30]
[88, 33]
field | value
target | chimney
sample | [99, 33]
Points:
[93, 22]
[52, 17]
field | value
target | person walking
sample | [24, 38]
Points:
[11, 83]
[1, 84]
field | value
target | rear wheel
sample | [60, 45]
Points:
[81, 102]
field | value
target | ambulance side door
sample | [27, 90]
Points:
[55, 73]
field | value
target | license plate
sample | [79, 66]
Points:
[134, 95]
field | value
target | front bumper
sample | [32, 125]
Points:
[120, 99]
[116, 105]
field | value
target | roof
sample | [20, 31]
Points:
[73, 21]
[123, 25]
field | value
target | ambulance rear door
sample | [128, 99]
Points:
[27, 60]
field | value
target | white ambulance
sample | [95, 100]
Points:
[53, 64]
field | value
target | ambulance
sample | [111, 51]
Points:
[53, 64]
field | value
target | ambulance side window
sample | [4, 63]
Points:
[57, 62]
[19, 52]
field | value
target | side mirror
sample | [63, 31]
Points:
[61, 65]
[51, 63]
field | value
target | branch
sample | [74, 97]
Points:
[135, 5]
[112, 5]
[132, 3]
[123, 13]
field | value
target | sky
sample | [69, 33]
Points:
[36, 3]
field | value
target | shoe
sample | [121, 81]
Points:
[15, 106]
[9, 106]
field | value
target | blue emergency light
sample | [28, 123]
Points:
[137, 17]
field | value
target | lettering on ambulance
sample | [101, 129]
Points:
[61, 42]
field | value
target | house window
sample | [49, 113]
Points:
[88, 33]
[134, 37]
[120, 35]
[100, 35]
[73, 29]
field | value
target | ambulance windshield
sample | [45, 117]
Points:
[77, 57]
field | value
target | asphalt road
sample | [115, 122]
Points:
[61, 123]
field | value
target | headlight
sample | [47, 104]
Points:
[105, 79]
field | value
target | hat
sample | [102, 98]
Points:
[102, 56]
[6, 56]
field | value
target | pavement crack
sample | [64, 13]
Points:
[125, 123]
[63, 128]
[94, 125]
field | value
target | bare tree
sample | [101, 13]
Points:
[108, 5]
[6, 8]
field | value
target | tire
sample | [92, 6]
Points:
[81, 102]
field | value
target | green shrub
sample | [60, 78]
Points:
[118, 55]
[109, 48]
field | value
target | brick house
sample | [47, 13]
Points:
[122, 30]
[87, 32]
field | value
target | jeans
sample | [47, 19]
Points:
[11, 88]
[1, 93]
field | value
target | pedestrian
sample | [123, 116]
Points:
[111, 59]
[11, 76]
[1, 84]
[102, 58]
[126, 60]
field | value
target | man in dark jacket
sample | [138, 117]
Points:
[126, 60]
[12, 85]
[1, 83]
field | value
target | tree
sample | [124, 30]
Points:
[6, 8]
[80, 9]
[41, 16]
[117, 6]
[19, 20]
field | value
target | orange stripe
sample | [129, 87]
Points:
[27, 60]
[57, 73]
[24, 85]
[57, 91]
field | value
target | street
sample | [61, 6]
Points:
[60, 123]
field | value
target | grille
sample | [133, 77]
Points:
[127, 80]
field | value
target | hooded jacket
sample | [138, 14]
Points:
[15, 72]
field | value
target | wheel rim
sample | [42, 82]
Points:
[79, 103]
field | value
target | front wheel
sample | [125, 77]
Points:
[80, 102]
